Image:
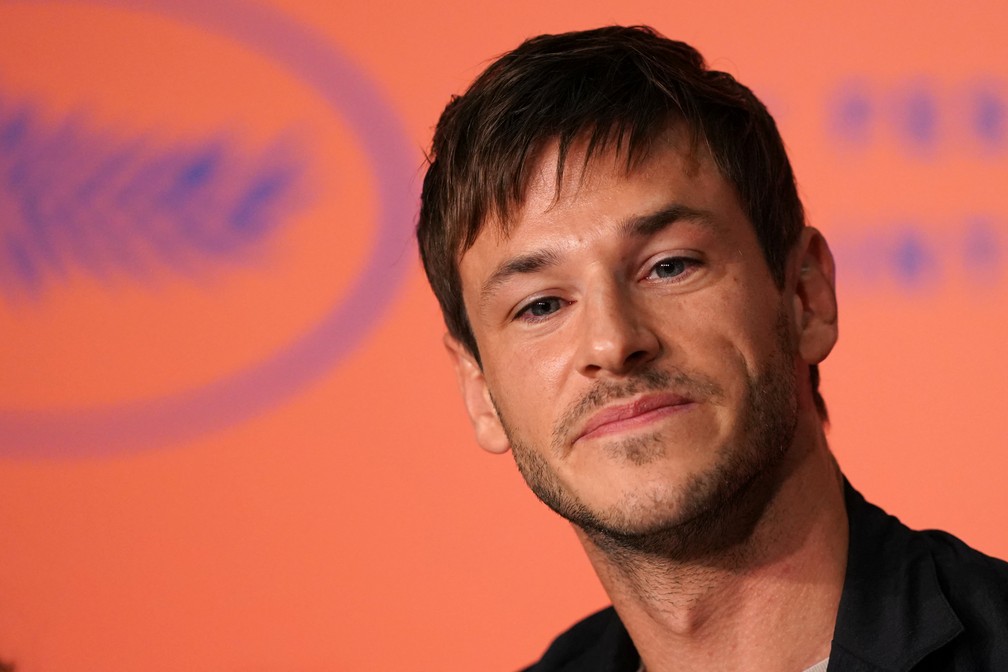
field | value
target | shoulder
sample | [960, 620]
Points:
[910, 595]
[965, 574]
[975, 584]
[599, 643]
[975, 587]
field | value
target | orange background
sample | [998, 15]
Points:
[349, 521]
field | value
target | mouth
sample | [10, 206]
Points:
[634, 415]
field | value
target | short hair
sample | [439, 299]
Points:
[617, 88]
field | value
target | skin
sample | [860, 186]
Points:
[652, 381]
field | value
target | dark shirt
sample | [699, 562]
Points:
[921, 601]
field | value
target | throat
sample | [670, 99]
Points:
[769, 567]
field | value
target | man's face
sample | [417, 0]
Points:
[640, 359]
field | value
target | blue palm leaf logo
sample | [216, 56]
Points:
[75, 198]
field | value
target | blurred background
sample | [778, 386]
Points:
[229, 435]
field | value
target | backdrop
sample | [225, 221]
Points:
[229, 435]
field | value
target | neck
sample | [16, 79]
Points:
[766, 601]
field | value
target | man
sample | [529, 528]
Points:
[636, 309]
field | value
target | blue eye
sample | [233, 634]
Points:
[672, 267]
[540, 308]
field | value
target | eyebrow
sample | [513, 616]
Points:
[651, 223]
[520, 265]
[638, 226]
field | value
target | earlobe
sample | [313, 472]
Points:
[489, 431]
[815, 297]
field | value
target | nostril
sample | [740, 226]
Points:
[636, 357]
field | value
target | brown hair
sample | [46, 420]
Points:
[617, 88]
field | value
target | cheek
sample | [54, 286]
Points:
[529, 366]
[544, 365]
[526, 384]
[730, 337]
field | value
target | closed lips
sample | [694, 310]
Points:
[636, 413]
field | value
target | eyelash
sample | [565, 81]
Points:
[689, 264]
[525, 313]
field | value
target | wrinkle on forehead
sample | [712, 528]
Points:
[565, 171]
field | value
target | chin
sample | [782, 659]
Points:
[713, 508]
[708, 515]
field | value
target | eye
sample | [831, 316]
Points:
[539, 308]
[672, 267]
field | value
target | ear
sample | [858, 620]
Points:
[489, 431]
[815, 302]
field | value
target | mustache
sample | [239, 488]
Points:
[692, 386]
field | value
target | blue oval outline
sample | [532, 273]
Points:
[148, 423]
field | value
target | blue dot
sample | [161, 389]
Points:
[982, 253]
[913, 260]
[917, 117]
[852, 115]
[989, 117]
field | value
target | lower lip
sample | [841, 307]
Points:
[637, 421]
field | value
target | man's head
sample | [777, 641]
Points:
[618, 87]
[615, 238]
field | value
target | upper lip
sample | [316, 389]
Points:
[632, 409]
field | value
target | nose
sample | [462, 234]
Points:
[616, 335]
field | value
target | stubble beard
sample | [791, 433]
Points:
[714, 511]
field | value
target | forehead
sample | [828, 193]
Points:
[556, 176]
[587, 197]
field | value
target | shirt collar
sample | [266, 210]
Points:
[893, 611]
